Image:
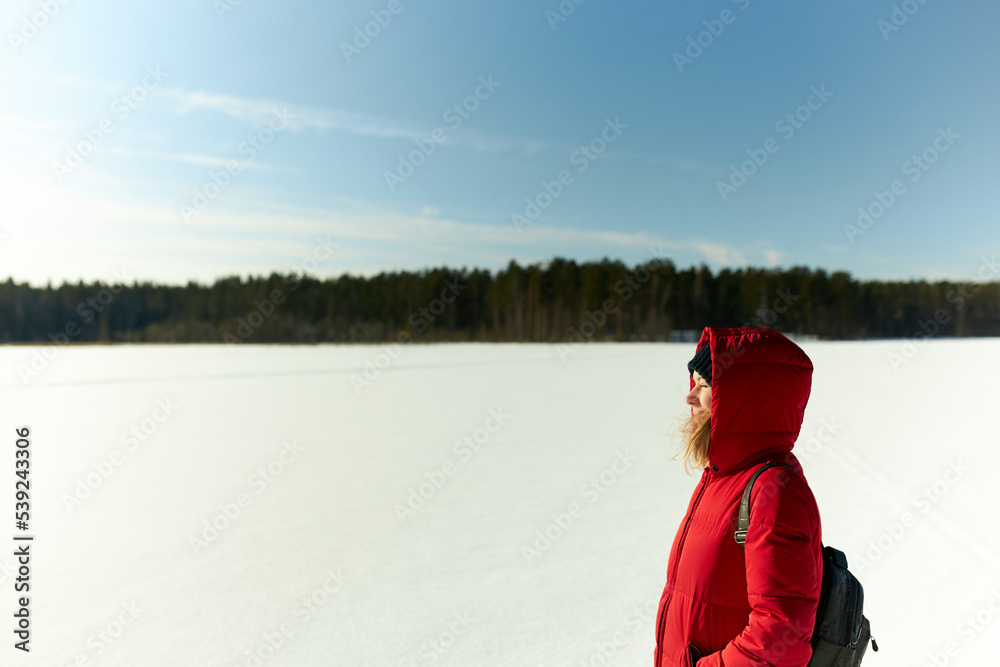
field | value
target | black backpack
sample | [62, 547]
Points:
[842, 632]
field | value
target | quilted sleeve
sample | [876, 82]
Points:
[784, 576]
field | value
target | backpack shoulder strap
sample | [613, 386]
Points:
[744, 519]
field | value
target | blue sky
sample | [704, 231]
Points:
[642, 110]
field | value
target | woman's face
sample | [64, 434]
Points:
[700, 396]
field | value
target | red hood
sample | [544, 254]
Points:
[760, 387]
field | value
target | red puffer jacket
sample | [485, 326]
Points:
[754, 607]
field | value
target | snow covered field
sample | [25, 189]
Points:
[197, 505]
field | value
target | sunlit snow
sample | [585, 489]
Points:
[397, 521]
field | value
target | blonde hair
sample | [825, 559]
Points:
[696, 432]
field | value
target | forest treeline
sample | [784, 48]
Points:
[558, 300]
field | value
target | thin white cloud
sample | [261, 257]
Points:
[922, 272]
[258, 112]
[189, 158]
[68, 233]
[721, 254]
[79, 232]
[241, 109]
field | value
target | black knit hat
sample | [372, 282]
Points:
[702, 363]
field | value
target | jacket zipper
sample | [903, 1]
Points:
[673, 574]
[694, 654]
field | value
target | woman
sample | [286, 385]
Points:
[723, 604]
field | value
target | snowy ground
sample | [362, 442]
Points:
[322, 562]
